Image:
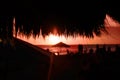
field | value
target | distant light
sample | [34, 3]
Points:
[56, 53]
[0, 40]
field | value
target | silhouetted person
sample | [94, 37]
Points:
[85, 51]
[109, 49]
[47, 50]
[68, 53]
[97, 49]
[117, 49]
[91, 51]
[103, 50]
[80, 49]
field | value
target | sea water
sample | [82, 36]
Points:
[74, 48]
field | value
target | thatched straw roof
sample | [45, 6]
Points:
[62, 17]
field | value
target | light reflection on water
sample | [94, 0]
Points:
[73, 48]
[62, 51]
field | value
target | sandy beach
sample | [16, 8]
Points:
[28, 62]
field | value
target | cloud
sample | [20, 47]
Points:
[110, 22]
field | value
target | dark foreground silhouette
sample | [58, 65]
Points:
[23, 63]
[27, 62]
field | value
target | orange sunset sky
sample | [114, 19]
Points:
[112, 26]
